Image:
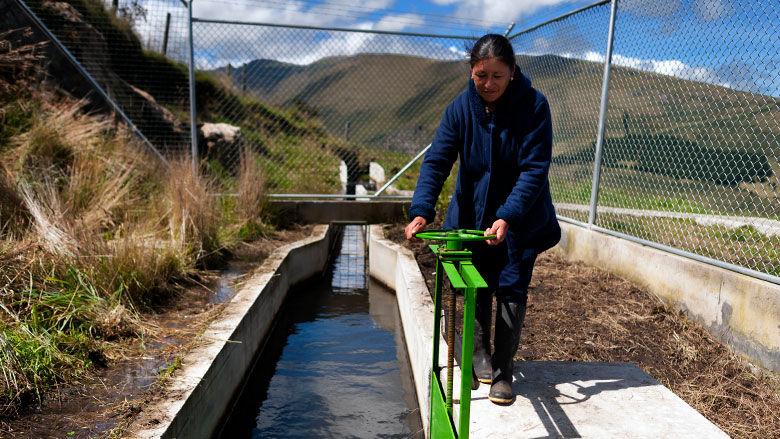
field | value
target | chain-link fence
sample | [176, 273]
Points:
[319, 105]
[691, 139]
[133, 51]
[689, 151]
[554, 57]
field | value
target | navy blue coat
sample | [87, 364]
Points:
[504, 162]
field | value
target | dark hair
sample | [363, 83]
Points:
[492, 46]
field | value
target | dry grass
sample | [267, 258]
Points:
[19, 62]
[251, 200]
[94, 231]
[191, 210]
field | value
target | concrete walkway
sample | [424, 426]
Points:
[586, 400]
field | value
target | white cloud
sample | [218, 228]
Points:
[363, 4]
[459, 52]
[709, 10]
[219, 44]
[398, 22]
[498, 11]
[669, 67]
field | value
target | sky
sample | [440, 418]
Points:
[734, 44]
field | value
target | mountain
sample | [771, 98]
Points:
[391, 102]
[396, 101]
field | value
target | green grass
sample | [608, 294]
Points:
[743, 246]
[15, 117]
[565, 191]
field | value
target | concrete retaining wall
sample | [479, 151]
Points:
[740, 311]
[202, 389]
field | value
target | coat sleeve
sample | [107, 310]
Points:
[534, 167]
[436, 166]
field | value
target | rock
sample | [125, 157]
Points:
[221, 141]
[361, 190]
[376, 173]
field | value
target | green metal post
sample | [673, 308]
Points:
[465, 361]
[462, 277]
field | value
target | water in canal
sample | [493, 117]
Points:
[335, 365]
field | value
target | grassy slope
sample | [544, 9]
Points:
[380, 91]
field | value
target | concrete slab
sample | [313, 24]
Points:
[555, 399]
[586, 400]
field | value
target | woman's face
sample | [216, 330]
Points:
[491, 77]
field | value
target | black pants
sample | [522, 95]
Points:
[507, 273]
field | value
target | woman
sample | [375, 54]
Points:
[501, 130]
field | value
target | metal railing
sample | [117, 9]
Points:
[666, 115]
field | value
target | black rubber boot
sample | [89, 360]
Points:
[509, 322]
[483, 369]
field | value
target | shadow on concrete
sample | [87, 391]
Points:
[550, 386]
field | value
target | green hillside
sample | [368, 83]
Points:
[381, 95]
[661, 131]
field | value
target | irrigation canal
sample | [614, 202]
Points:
[335, 364]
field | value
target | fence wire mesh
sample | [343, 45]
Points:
[691, 144]
[561, 59]
[692, 140]
[144, 76]
[317, 106]
[692, 137]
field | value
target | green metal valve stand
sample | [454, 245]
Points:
[465, 277]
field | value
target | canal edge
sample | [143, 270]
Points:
[200, 392]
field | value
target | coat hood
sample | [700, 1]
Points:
[517, 88]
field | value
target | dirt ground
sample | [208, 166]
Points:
[105, 403]
[580, 313]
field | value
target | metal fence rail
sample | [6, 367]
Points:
[689, 157]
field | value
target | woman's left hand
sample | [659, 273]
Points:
[499, 229]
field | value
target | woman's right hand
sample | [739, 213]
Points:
[417, 224]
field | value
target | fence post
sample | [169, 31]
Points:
[165, 36]
[509, 28]
[193, 122]
[594, 193]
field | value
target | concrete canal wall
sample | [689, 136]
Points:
[200, 392]
[740, 311]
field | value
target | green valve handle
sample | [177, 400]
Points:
[455, 238]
